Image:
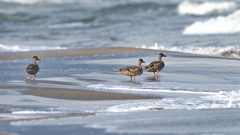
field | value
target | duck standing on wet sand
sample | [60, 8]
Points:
[32, 69]
[156, 66]
[133, 71]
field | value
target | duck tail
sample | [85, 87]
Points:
[119, 70]
[146, 68]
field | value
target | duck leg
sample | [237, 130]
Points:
[28, 78]
[34, 76]
[131, 78]
[154, 74]
[157, 74]
[134, 78]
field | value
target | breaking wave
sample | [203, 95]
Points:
[219, 25]
[187, 7]
[48, 1]
[228, 51]
[36, 112]
[218, 100]
[19, 48]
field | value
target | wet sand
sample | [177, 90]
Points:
[53, 117]
[92, 51]
[71, 94]
[4, 110]
[71, 53]
[5, 134]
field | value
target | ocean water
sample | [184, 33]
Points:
[198, 93]
[197, 26]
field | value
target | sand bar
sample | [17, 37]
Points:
[93, 51]
[71, 94]
[71, 52]
[4, 110]
[52, 117]
[5, 134]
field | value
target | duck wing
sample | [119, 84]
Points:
[153, 64]
[131, 70]
[32, 69]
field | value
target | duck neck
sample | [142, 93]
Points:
[139, 64]
[159, 58]
[34, 61]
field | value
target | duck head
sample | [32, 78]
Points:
[34, 59]
[141, 61]
[160, 56]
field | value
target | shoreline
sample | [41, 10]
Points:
[97, 51]
[72, 52]
[52, 117]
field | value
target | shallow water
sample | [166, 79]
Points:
[191, 83]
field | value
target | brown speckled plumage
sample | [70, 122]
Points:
[133, 71]
[156, 66]
[32, 69]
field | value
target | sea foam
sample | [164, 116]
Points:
[219, 25]
[219, 100]
[36, 112]
[48, 1]
[187, 7]
[228, 51]
[197, 100]
[21, 48]
[67, 25]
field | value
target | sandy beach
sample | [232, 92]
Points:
[80, 94]
[81, 45]
[71, 52]
[82, 87]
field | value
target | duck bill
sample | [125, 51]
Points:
[38, 59]
[164, 55]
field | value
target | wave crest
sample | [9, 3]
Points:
[18, 48]
[46, 1]
[219, 25]
[228, 51]
[218, 100]
[187, 7]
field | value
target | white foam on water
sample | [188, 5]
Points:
[217, 25]
[50, 1]
[21, 48]
[21, 1]
[203, 100]
[229, 51]
[187, 7]
[144, 89]
[219, 100]
[67, 25]
[30, 114]
[36, 112]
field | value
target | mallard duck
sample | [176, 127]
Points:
[32, 69]
[156, 66]
[133, 71]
